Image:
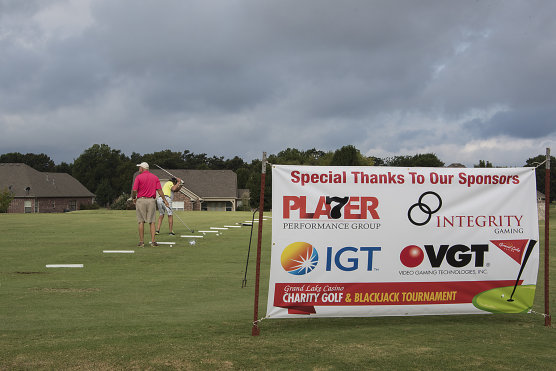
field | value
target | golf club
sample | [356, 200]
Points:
[167, 172]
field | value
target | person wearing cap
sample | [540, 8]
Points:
[145, 188]
[171, 186]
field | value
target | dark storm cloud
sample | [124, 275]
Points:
[535, 123]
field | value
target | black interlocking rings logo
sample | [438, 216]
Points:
[426, 209]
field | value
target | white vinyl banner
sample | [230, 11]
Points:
[388, 241]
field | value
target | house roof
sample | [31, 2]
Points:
[204, 183]
[24, 181]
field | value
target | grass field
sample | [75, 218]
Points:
[183, 307]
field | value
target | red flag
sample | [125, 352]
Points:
[513, 248]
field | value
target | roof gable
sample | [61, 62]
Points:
[24, 181]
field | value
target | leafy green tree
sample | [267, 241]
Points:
[104, 192]
[13, 157]
[242, 177]
[6, 198]
[195, 162]
[235, 164]
[289, 156]
[325, 159]
[350, 156]
[136, 158]
[540, 174]
[104, 170]
[483, 164]
[293, 156]
[216, 163]
[166, 159]
[63, 168]
[254, 185]
[419, 160]
[377, 161]
[315, 157]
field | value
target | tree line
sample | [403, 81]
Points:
[107, 172]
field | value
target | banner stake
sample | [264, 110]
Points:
[255, 331]
[547, 318]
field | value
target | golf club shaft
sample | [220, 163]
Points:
[191, 230]
[166, 171]
[169, 173]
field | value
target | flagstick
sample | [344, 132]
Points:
[527, 253]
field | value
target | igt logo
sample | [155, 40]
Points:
[331, 207]
[300, 258]
[347, 258]
[456, 256]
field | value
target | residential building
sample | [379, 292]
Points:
[42, 192]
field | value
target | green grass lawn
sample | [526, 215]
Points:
[183, 307]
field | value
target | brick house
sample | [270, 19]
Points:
[207, 190]
[38, 192]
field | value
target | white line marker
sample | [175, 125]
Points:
[166, 243]
[207, 231]
[248, 221]
[118, 251]
[185, 236]
[219, 228]
[232, 226]
[64, 265]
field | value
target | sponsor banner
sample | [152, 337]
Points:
[378, 241]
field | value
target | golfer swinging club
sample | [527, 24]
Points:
[171, 186]
[145, 188]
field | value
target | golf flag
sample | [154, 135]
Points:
[384, 241]
[514, 248]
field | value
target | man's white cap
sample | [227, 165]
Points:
[144, 165]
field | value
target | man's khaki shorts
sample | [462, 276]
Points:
[145, 208]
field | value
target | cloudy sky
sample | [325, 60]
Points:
[466, 80]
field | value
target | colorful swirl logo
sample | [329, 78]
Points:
[299, 258]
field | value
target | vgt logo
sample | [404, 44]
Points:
[299, 258]
[456, 256]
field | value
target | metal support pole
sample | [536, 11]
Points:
[547, 318]
[255, 330]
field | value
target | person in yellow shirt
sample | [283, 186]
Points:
[171, 186]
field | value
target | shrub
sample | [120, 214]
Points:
[123, 202]
[6, 198]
